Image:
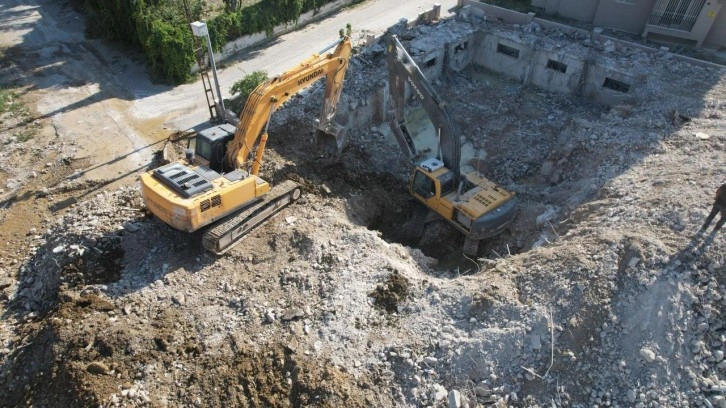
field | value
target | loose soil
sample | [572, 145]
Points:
[601, 293]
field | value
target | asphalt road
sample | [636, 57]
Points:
[101, 101]
[369, 17]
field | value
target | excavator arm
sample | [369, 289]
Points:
[267, 97]
[403, 69]
[474, 205]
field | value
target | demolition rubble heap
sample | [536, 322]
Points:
[600, 294]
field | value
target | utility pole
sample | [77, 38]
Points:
[199, 28]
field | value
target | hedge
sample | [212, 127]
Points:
[161, 30]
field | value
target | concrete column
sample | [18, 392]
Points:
[370, 39]
[379, 103]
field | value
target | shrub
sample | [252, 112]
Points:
[243, 88]
[161, 27]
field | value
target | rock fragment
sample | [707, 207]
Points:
[647, 354]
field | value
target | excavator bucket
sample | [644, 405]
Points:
[331, 139]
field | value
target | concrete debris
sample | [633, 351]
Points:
[130, 227]
[439, 393]
[625, 297]
[454, 399]
[178, 298]
[647, 354]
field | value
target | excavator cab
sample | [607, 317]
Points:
[431, 181]
[210, 147]
[423, 185]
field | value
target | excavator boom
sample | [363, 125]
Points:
[401, 70]
[268, 96]
[475, 206]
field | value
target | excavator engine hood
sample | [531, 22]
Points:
[494, 222]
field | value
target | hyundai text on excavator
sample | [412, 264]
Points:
[217, 183]
[474, 205]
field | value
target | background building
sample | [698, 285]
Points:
[697, 20]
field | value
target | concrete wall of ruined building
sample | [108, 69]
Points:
[553, 80]
[585, 75]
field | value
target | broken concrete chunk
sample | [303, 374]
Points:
[647, 354]
[178, 298]
[535, 342]
[439, 393]
[482, 391]
[292, 314]
[131, 227]
[454, 399]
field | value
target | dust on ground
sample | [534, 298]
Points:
[600, 294]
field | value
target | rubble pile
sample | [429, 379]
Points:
[601, 293]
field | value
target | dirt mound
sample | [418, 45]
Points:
[599, 294]
[392, 293]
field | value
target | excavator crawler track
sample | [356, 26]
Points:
[222, 237]
[471, 247]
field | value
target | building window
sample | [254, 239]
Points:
[676, 14]
[557, 66]
[461, 47]
[615, 85]
[510, 51]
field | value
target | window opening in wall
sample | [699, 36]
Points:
[557, 66]
[431, 62]
[615, 85]
[461, 47]
[510, 51]
[676, 14]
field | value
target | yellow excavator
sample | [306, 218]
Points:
[219, 183]
[472, 204]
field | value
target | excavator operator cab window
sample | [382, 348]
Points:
[203, 148]
[423, 185]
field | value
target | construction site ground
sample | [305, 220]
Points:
[601, 293]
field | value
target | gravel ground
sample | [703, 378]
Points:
[600, 294]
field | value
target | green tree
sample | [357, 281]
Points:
[243, 88]
[246, 85]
